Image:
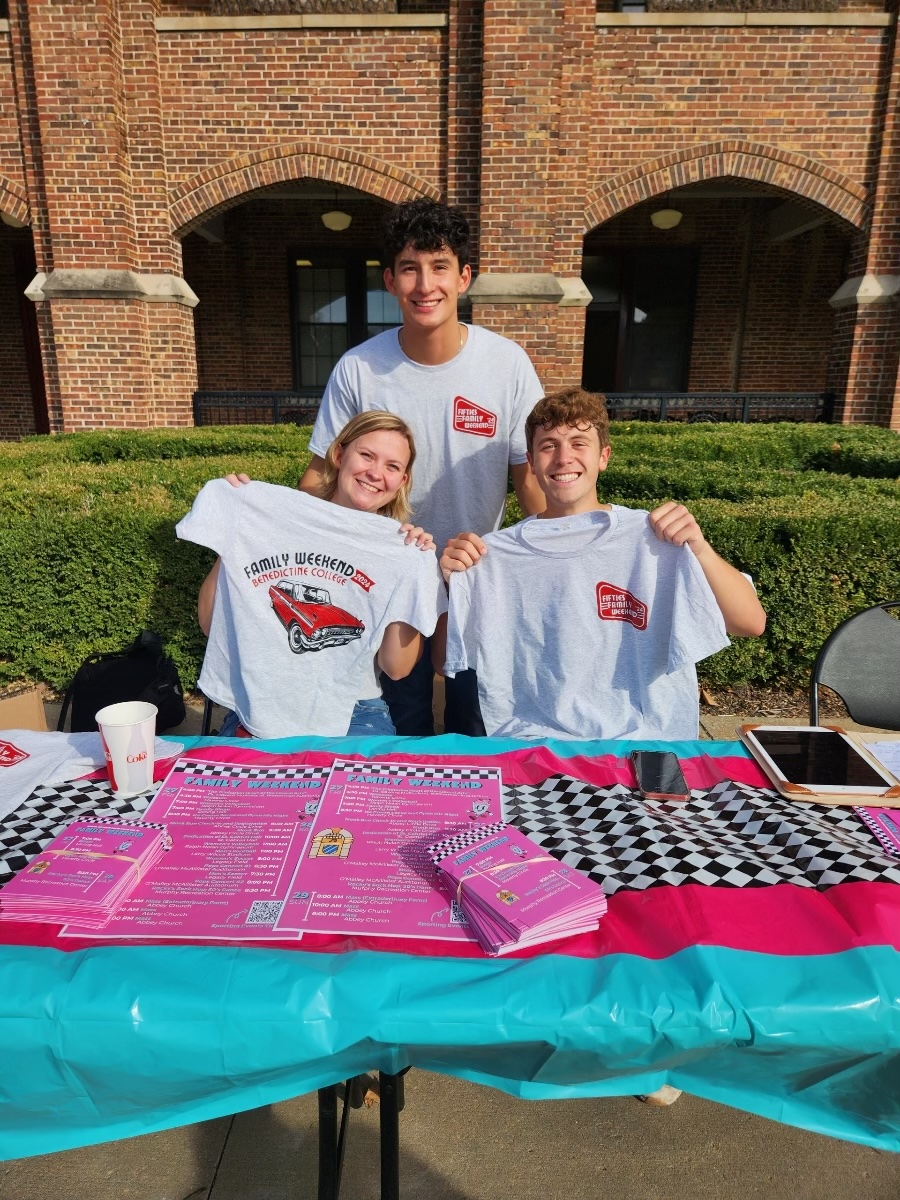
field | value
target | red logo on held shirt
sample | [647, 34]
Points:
[11, 754]
[615, 604]
[470, 418]
[363, 580]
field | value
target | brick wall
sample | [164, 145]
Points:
[11, 165]
[230, 93]
[811, 91]
[464, 99]
[789, 321]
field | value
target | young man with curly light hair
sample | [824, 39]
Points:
[587, 620]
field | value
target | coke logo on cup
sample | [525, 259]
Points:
[136, 757]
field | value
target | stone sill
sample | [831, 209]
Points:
[4, 25]
[846, 19]
[309, 21]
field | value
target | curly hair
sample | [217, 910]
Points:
[425, 225]
[359, 426]
[571, 406]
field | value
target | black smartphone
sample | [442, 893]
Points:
[659, 775]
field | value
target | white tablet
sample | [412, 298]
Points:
[807, 759]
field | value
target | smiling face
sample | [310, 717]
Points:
[427, 284]
[371, 470]
[566, 461]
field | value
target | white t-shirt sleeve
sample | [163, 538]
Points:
[460, 654]
[340, 402]
[214, 516]
[698, 627]
[528, 392]
[420, 597]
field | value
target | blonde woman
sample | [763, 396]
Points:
[313, 596]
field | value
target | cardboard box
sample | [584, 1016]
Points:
[23, 710]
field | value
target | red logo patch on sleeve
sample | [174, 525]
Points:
[10, 754]
[471, 418]
[615, 604]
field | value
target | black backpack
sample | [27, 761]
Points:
[142, 672]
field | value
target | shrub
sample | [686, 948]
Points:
[88, 556]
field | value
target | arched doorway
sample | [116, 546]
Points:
[288, 280]
[734, 297]
[283, 248]
[23, 396]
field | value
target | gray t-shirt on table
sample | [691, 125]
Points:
[467, 417]
[305, 592]
[584, 627]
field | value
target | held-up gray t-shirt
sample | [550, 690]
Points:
[584, 627]
[305, 592]
[467, 417]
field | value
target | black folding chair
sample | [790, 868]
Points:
[860, 661]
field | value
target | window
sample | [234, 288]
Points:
[639, 322]
[336, 303]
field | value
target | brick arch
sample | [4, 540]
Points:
[224, 185]
[14, 200]
[794, 173]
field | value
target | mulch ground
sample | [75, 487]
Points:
[765, 701]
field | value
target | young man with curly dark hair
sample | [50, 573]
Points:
[464, 391]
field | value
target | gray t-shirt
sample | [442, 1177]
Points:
[584, 627]
[467, 416]
[305, 592]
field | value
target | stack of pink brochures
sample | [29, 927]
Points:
[511, 891]
[85, 873]
[885, 824]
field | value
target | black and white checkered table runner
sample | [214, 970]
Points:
[48, 810]
[731, 835]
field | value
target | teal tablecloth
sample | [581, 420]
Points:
[111, 1041]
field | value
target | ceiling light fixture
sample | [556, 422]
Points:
[336, 220]
[666, 217]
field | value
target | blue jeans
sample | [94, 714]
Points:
[369, 717]
[410, 701]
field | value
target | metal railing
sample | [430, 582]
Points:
[281, 8]
[728, 6]
[257, 408]
[300, 407]
[721, 406]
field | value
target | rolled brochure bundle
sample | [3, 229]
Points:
[512, 892]
[85, 873]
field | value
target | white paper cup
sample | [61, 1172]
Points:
[128, 733]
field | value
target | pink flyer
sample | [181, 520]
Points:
[238, 832]
[366, 869]
[885, 824]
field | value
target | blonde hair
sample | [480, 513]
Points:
[359, 426]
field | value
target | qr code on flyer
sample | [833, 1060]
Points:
[264, 912]
[457, 916]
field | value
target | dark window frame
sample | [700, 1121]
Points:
[353, 261]
[626, 256]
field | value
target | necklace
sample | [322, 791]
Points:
[462, 338]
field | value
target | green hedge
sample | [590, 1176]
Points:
[88, 556]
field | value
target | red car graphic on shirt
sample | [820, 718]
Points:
[311, 620]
